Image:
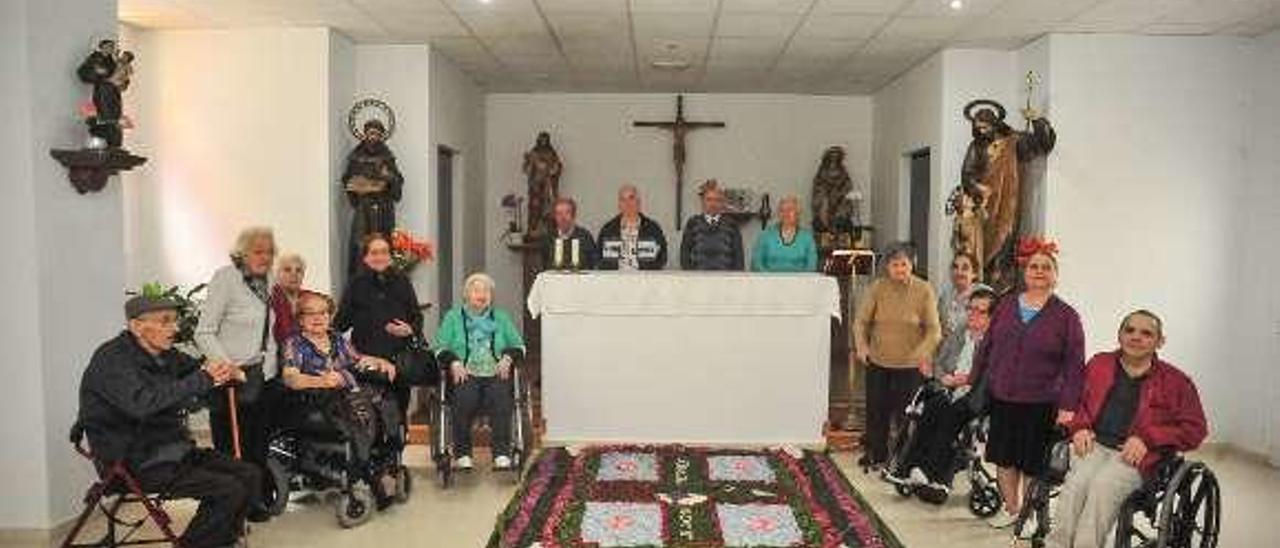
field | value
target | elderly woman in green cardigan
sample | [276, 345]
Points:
[785, 247]
[480, 344]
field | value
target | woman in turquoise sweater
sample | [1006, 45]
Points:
[480, 344]
[785, 247]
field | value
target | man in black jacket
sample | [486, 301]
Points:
[134, 399]
[566, 233]
[631, 241]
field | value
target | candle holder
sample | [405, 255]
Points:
[566, 255]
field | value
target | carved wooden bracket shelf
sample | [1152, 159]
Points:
[88, 169]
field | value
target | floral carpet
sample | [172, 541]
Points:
[670, 495]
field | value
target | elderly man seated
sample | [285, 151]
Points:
[1135, 406]
[134, 398]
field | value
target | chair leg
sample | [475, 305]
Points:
[159, 516]
[90, 503]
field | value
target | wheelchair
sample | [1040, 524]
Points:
[1180, 506]
[984, 497]
[311, 454]
[441, 418]
[115, 488]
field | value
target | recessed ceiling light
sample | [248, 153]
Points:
[955, 4]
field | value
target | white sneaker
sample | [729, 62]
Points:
[501, 462]
[1002, 519]
[463, 462]
[918, 477]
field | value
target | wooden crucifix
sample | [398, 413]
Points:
[678, 128]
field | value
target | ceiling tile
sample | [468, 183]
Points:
[673, 6]
[942, 8]
[583, 6]
[672, 25]
[1180, 29]
[743, 52]
[822, 49]
[756, 24]
[567, 24]
[498, 24]
[1218, 13]
[1002, 30]
[1042, 10]
[765, 6]
[847, 27]
[873, 7]
[491, 6]
[1131, 12]
[924, 28]
[425, 27]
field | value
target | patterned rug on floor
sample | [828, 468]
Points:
[670, 495]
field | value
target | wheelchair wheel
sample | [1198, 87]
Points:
[984, 500]
[278, 496]
[355, 507]
[1188, 516]
[404, 484]
[904, 489]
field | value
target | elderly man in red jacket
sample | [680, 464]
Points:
[1134, 407]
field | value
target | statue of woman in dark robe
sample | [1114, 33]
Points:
[373, 184]
[832, 208]
[542, 167]
[992, 172]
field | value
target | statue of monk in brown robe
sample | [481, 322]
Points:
[992, 172]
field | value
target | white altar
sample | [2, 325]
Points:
[680, 357]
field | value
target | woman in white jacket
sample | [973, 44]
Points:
[235, 322]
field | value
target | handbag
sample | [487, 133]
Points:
[415, 364]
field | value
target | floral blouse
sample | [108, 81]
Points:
[302, 354]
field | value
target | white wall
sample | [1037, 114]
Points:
[237, 125]
[908, 113]
[457, 121]
[1258, 320]
[342, 84]
[55, 314]
[772, 143]
[1144, 188]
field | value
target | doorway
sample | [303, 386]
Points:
[444, 227]
[918, 169]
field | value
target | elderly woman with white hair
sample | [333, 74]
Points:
[290, 271]
[481, 344]
[785, 246]
[235, 326]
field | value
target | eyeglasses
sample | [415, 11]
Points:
[977, 310]
[1129, 330]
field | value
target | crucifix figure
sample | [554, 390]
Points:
[678, 128]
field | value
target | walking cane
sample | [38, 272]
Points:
[235, 413]
[235, 421]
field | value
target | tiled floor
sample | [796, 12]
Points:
[463, 516]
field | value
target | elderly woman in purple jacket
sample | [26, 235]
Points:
[1033, 362]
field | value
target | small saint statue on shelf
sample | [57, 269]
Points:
[109, 71]
[542, 168]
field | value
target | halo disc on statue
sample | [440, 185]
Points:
[969, 108]
[371, 109]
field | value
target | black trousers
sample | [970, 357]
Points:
[225, 488]
[888, 391]
[255, 419]
[934, 450]
[488, 393]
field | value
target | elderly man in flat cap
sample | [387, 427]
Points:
[134, 399]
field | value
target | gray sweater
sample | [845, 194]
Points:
[232, 320]
[708, 246]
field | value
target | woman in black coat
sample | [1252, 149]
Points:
[380, 308]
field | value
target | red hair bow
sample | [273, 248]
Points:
[1032, 245]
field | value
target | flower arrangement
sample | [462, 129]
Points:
[189, 302]
[511, 203]
[407, 251]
